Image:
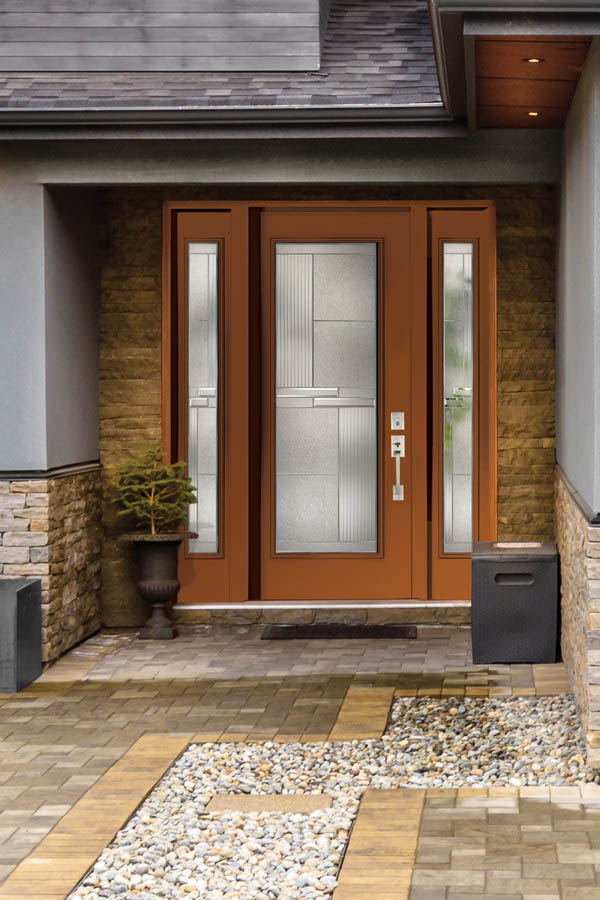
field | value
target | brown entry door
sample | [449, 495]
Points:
[337, 422]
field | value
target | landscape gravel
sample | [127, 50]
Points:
[172, 848]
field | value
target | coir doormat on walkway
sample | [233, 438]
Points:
[335, 631]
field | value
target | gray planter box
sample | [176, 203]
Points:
[514, 612]
[20, 633]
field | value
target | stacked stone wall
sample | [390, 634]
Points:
[130, 373]
[526, 248]
[579, 547]
[130, 377]
[51, 530]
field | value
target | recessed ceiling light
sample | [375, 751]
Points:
[534, 59]
[533, 112]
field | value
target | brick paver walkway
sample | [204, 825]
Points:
[58, 737]
[509, 844]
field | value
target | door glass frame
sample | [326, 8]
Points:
[183, 390]
[271, 312]
[203, 401]
[458, 399]
[450, 567]
[240, 285]
[374, 577]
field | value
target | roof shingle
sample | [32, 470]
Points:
[376, 53]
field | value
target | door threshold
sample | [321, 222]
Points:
[326, 604]
[305, 612]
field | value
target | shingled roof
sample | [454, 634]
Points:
[376, 53]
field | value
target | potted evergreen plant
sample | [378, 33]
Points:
[154, 496]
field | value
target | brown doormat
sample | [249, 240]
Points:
[335, 631]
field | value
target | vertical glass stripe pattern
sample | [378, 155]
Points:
[458, 397]
[326, 398]
[203, 369]
[358, 473]
[294, 291]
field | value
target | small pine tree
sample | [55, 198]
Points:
[151, 493]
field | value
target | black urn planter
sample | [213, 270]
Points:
[158, 584]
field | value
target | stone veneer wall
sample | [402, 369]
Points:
[130, 372]
[51, 530]
[130, 399]
[579, 547]
[526, 248]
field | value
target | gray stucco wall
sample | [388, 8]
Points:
[22, 342]
[484, 157]
[48, 356]
[49, 325]
[72, 269]
[578, 295]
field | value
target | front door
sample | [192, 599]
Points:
[337, 414]
[329, 377]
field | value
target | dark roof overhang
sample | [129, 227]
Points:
[152, 123]
[517, 6]
[377, 80]
[457, 23]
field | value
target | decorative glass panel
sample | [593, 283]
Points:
[203, 365]
[326, 398]
[458, 397]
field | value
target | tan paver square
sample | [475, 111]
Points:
[292, 803]
[364, 713]
[381, 852]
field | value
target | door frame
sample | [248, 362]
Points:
[339, 576]
[422, 391]
[450, 573]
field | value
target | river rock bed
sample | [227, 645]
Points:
[172, 848]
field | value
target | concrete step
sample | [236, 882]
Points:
[418, 613]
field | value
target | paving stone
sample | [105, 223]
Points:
[65, 731]
[293, 803]
[381, 851]
[580, 892]
[530, 858]
[447, 878]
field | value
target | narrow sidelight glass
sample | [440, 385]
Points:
[203, 380]
[458, 396]
[326, 398]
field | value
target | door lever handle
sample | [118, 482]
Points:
[398, 451]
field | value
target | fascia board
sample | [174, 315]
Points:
[248, 115]
[159, 123]
[545, 25]
[518, 6]
[82, 131]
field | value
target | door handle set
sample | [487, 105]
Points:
[398, 452]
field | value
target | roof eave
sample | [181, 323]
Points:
[457, 23]
[152, 115]
[517, 6]
[159, 123]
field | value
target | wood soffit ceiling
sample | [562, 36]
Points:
[509, 87]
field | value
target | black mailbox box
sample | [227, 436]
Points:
[514, 611]
[20, 633]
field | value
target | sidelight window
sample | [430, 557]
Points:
[203, 368]
[458, 396]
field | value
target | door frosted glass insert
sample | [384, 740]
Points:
[326, 398]
[458, 397]
[203, 368]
